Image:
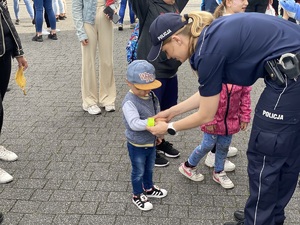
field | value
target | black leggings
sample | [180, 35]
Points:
[5, 65]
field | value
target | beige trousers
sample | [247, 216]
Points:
[100, 36]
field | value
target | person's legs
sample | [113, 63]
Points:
[131, 13]
[149, 165]
[222, 146]
[47, 20]
[29, 8]
[167, 95]
[48, 8]
[122, 10]
[38, 5]
[273, 170]
[138, 158]
[89, 87]
[61, 10]
[5, 65]
[107, 85]
[200, 151]
[16, 11]
[55, 9]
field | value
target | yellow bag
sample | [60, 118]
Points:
[20, 79]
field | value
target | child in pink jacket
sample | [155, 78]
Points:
[232, 116]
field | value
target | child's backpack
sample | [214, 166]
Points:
[132, 45]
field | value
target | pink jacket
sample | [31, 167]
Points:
[234, 108]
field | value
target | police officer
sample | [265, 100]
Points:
[226, 50]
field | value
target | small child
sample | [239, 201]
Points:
[232, 116]
[140, 104]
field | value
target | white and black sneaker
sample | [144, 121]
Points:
[156, 192]
[141, 201]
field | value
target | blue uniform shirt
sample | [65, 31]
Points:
[234, 49]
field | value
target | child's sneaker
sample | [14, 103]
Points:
[221, 178]
[141, 201]
[210, 162]
[232, 151]
[156, 192]
[190, 173]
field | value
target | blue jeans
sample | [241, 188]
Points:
[208, 142]
[28, 7]
[142, 162]
[39, 5]
[122, 11]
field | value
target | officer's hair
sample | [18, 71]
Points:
[200, 19]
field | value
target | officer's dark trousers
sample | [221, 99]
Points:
[273, 154]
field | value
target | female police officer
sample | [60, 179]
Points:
[237, 49]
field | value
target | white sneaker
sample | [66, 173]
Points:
[7, 155]
[190, 173]
[210, 162]
[232, 151]
[45, 32]
[5, 177]
[110, 108]
[221, 178]
[93, 110]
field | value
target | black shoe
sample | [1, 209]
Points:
[160, 161]
[1, 217]
[38, 38]
[239, 215]
[8, 89]
[234, 223]
[167, 148]
[61, 17]
[52, 36]
[17, 22]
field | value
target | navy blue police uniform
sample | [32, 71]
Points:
[235, 50]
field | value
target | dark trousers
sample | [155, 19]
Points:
[273, 154]
[5, 65]
[259, 6]
[167, 94]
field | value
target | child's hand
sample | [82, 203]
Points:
[159, 140]
[210, 128]
[244, 125]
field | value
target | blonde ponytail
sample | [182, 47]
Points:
[193, 29]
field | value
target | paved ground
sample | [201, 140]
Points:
[73, 168]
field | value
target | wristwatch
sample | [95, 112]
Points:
[171, 130]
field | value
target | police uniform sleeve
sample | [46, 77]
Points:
[211, 74]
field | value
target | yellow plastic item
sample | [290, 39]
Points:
[20, 79]
[150, 122]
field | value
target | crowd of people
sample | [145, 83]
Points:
[222, 102]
